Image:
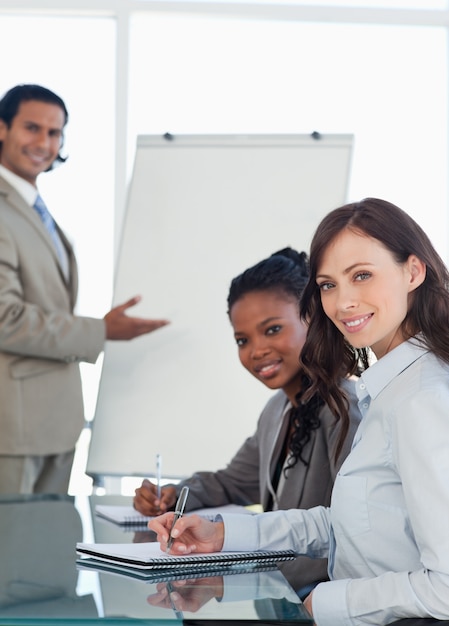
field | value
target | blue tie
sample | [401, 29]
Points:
[50, 225]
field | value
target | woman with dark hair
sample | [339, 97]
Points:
[376, 286]
[291, 460]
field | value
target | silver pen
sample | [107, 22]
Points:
[179, 510]
[179, 614]
[158, 475]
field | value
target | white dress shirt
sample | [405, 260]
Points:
[23, 187]
[29, 193]
[386, 532]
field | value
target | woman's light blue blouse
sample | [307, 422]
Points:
[386, 533]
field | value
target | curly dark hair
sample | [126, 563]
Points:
[285, 272]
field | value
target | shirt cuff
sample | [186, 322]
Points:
[240, 533]
[329, 604]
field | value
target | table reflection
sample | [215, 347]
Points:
[38, 578]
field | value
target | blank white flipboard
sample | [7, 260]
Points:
[200, 210]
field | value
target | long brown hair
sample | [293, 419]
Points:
[326, 355]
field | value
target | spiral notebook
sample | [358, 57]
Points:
[122, 515]
[170, 574]
[149, 556]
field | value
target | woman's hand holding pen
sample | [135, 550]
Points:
[147, 502]
[191, 533]
[187, 595]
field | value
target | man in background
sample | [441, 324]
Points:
[42, 342]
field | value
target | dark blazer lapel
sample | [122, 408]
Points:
[276, 438]
[290, 498]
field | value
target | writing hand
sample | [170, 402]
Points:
[146, 500]
[122, 326]
[191, 533]
[187, 595]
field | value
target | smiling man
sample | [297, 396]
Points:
[42, 342]
[32, 138]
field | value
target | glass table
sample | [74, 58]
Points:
[41, 583]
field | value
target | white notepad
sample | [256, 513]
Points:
[148, 555]
[128, 516]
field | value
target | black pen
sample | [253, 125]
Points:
[179, 510]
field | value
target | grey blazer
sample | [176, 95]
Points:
[41, 341]
[247, 478]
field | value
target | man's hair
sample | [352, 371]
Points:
[11, 101]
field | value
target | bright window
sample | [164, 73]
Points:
[385, 84]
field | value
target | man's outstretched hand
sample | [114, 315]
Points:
[119, 325]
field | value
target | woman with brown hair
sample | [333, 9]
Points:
[377, 286]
